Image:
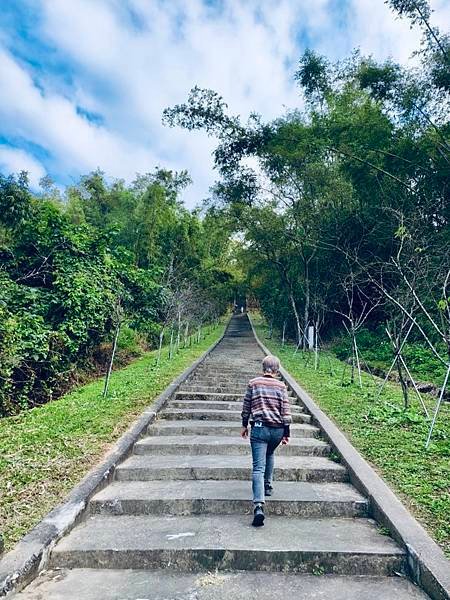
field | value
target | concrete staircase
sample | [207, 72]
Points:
[175, 522]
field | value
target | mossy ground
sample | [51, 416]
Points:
[45, 451]
[390, 438]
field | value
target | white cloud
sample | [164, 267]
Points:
[14, 160]
[147, 70]
[129, 72]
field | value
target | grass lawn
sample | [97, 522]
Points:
[45, 451]
[389, 437]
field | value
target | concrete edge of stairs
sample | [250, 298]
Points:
[30, 555]
[428, 566]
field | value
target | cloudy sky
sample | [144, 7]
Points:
[83, 83]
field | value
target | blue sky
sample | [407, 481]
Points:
[83, 82]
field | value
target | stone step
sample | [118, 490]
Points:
[219, 379]
[216, 415]
[210, 396]
[218, 405]
[210, 385]
[218, 428]
[238, 366]
[218, 389]
[233, 370]
[306, 500]
[93, 584]
[214, 389]
[197, 379]
[287, 468]
[223, 445]
[287, 544]
[211, 378]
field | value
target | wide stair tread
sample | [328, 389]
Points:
[227, 497]
[217, 415]
[218, 404]
[84, 584]
[198, 444]
[228, 542]
[165, 427]
[220, 467]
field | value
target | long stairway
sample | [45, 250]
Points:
[175, 522]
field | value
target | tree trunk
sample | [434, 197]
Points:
[403, 384]
[113, 353]
[179, 331]
[307, 303]
[297, 319]
[171, 344]
[161, 338]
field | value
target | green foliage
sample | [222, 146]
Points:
[312, 74]
[376, 351]
[70, 269]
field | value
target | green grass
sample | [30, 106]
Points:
[45, 451]
[376, 351]
[389, 437]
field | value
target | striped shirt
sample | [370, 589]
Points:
[267, 401]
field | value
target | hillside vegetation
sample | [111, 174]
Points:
[78, 266]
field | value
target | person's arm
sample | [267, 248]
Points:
[246, 411]
[286, 416]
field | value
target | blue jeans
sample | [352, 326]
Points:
[263, 441]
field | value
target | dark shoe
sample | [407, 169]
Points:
[258, 516]
[268, 489]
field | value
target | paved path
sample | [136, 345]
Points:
[175, 522]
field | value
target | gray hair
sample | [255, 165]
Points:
[271, 364]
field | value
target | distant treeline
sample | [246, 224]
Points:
[74, 264]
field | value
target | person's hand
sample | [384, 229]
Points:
[285, 441]
[244, 433]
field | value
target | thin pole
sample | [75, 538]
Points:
[397, 354]
[179, 331]
[113, 353]
[171, 343]
[438, 406]
[419, 395]
[161, 338]
[358, 364]
[316, 348]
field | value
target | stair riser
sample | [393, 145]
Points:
[224, 415]
[154, 430]
[223, 450]
[198, 380]
[214, 389]
[231, 560]
[214, 405]
[228, 373]
[195, 473]
[184, 507]
[196, 397]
